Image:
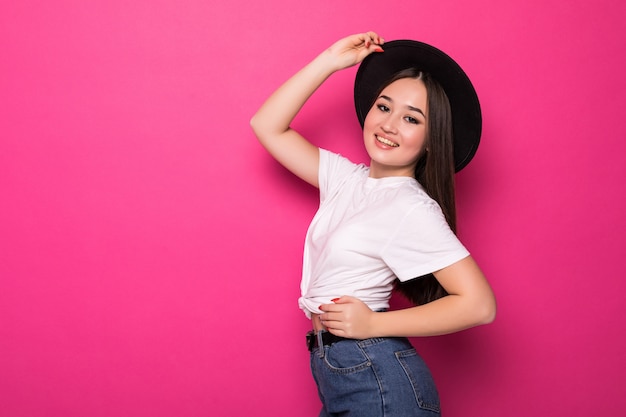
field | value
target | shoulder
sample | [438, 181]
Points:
[334, 165]
[412, 195]
[332, 158]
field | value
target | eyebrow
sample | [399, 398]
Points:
[415, 109]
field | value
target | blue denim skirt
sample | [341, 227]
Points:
[373, 378]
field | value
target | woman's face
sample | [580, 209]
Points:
[394, 130]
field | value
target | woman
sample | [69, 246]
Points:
[388, 224]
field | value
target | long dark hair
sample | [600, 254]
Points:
[435, 172]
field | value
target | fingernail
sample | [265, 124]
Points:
[367, 44]
[321, 305]
[378, 49]
[334, 300]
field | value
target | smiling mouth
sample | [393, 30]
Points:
[386, 141]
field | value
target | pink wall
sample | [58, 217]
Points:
[150, 249]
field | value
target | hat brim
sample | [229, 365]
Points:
[398, 55]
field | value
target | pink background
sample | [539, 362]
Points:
[150, 249]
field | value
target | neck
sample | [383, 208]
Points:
[382, 171]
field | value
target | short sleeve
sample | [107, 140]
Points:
[422, 243]
[334, 170]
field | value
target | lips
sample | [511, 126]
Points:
[385, 141]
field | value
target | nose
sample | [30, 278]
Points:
[389, 125]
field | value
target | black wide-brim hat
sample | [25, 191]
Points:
[379, 67]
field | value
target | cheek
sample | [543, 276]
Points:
[417, 138]
[368, 129]
[367, 123]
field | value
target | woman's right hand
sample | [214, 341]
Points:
[353, 49]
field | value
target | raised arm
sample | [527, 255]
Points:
[272, 121]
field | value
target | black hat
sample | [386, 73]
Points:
[398, 55]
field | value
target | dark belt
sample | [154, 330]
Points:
[327, 339]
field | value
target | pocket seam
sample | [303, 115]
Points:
[350, 370]
[400, 356]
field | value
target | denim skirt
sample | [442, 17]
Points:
[373, 378]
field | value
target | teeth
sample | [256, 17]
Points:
[386, 142]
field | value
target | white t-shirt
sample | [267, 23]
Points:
[369, 231]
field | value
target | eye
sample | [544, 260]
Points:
[412, 120]
[382, 108]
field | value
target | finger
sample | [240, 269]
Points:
[337, 331]
[334, 319]
[371, 45]
[343, 299]
[359, 38]
[329, 307]
[330, 312]
[376, 39]
[363, 40]
[334, 325]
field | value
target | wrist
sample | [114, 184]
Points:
[327, 62]
[376, 325]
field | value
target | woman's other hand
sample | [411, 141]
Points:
[348, 317]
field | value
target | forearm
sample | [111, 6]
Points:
[446, 315]
[276, 114]
[271, 123]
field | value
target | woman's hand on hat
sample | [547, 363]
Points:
[348, 317]
[353, 49]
